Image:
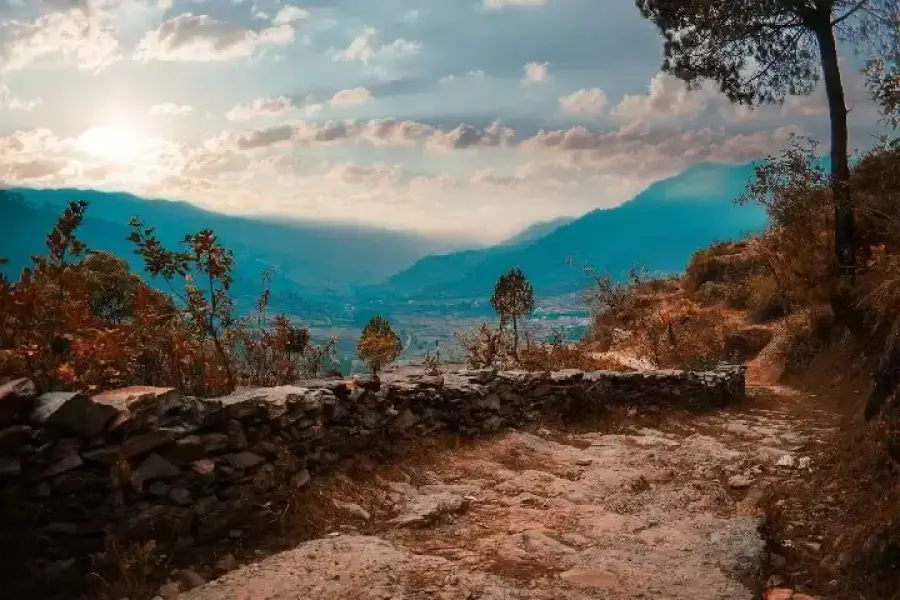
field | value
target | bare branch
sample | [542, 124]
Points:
[859, 5]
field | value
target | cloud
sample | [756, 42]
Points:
[260, 107]
[9, 101]
[501, 4]
[365, 48]
[259, 170]
[200, 38]
[289, 14]
[537, 72]
[471, 75]
[467, 136]
[352, 97]
[668, 97]
[170, 109]
[85, 39]
[590, 102]
[32, 158]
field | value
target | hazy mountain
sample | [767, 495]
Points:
[659, 229]
[430, 271]
[536, 231]
[308, 255]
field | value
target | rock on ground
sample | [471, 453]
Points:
[642, 513]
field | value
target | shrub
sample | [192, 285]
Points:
[82, 320]
[555, 354]
[379, 345]
[681, 335]
[723, 262]
[484, 346]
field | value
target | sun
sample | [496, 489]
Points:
[114, 143]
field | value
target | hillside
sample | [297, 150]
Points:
[308, 255]
[659, 230]
[536, 231]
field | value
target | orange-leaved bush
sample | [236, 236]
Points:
[81, 320]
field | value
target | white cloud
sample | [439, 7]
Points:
[200, 38]
[85, 39]
[366, 48]
[352, 97]
[501, 4]
[259, 171]
[260, 107]
[590, 102]
[9, 101]
[289, 14]
[668, 97]
[170, 109]
[471, 75]
[537, 72]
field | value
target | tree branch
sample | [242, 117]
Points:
[794, 39]
[850, 12]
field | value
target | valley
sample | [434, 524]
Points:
[334, 278]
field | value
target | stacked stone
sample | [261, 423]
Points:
[150, 463]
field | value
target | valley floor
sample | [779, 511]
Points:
[651, 505]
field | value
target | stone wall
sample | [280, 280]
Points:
[149, 463]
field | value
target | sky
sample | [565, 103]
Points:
[463, 118]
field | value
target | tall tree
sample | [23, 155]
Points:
[513, 298]
[760, 51]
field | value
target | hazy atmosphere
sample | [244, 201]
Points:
[450, 299]
[465, 118]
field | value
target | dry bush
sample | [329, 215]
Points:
[129, 570]
[806, 333]
[682, 336]
[81, 320]
[722, 263]
[712, 293]
[555, 355]
[432, 363]
[485, 346]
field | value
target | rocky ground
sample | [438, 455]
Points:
[655, 507]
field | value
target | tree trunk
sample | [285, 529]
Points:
[844, 248]
[515, 337]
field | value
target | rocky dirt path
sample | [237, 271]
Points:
[657, 507]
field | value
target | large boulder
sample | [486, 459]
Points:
[88, 416]
[137, 402]
[72, 412]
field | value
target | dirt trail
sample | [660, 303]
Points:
[635, 512]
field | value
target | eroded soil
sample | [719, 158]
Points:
[657, 506]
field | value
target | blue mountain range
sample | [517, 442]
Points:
[321, 265]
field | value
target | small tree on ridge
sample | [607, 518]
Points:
[378, 345]
[513, 298]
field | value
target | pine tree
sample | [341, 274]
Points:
[513, 298]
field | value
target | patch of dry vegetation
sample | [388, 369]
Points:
[82, 320]
[782, 286]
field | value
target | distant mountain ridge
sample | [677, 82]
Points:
[659, 230]
[308, 255]
[536, 231]
[325, 269]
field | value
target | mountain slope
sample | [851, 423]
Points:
[659, 230]
[536, 231]
[307, 254]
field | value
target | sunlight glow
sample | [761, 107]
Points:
[113, 143]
